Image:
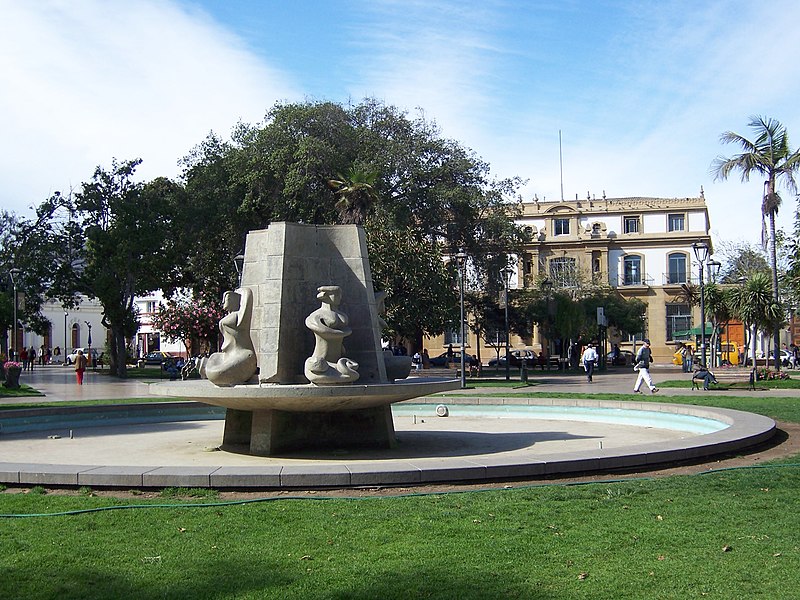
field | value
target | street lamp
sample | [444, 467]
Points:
[701, 253]
[89, 344]
[64, 351]
[461, 258]
[505, 273]
[14, 275]
[238, 261]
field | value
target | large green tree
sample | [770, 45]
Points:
[44, 250]
[405, 179]
[767, 155]
[129, 249]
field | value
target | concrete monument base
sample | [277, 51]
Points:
[272, 432]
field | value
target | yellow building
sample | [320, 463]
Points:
[643, 247]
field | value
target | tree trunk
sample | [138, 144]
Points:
[773, 257]
[117, 365]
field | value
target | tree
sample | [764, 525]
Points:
[769, 156]
[44, 249]
[753, 303]
[356, 193]
[421, 298]
[193, 322]
[128, 247]
[429, 195]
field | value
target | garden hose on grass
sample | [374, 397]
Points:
[409, 495]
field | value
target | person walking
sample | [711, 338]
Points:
[643, 359]
[589, 360]
[80, 366]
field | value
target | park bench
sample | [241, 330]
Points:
[728, 376]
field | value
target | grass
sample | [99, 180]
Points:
[726, 534]
[22, 391]
[734, 534]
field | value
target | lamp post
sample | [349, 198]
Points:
[89, 344]
[461, 258]
[505, 273]
[64, 351]
[14, 275]
[701, 253]
[238, 261]
[547, 288]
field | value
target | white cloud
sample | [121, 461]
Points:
[90, 80]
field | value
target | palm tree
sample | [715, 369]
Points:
[754, 305]
[356, 192]
[769, 156]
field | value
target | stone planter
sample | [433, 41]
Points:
[12, 378]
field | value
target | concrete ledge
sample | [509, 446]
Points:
[744, 430]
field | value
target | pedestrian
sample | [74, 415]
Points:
[23, 358]
[589, 360]
[449, 355]
[31, 358]
[80, 366]
[643, 359]
[426, 359]
[416, 360]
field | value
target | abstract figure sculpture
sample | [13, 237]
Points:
[329, 325]
[236, 363]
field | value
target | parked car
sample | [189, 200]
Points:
[515, 359]
[441, 360]
[157, 357]
[624, 357]
[70, 358]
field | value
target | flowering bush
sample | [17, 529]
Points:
[766, 374]
[12, 364]
[187, 319]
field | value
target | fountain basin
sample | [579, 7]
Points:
[265, 419]
[304, 397]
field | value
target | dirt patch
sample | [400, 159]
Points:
[784, 444]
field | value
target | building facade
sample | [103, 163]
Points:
[643, 247]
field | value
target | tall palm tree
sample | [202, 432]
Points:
[769, 156]
[356, 193]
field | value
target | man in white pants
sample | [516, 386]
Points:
[642, 364]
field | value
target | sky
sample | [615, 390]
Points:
[631, 94]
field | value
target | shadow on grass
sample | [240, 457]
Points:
[153, 579]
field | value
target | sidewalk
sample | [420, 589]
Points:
[617, 380]
[58, 384]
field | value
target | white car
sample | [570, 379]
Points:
[74, 354]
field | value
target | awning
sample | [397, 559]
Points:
[693, 331]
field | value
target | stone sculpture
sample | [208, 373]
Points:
[236, 362]
[329, 325]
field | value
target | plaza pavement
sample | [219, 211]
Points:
[58, 384]
[160, 454]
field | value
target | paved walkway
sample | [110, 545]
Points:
[58, 384]
[145, 451]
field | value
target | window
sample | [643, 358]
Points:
[631, 224]
[453, 336]
[564, 272]
[632, 270]
[675, 222]
[561, 227]
[677, 268]
[679, 318]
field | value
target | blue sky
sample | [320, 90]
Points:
[639, 90]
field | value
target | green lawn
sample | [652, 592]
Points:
[734, 534]
[727, 534]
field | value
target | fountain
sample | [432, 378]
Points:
[301, 365]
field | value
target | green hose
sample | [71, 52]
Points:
[409, 495]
